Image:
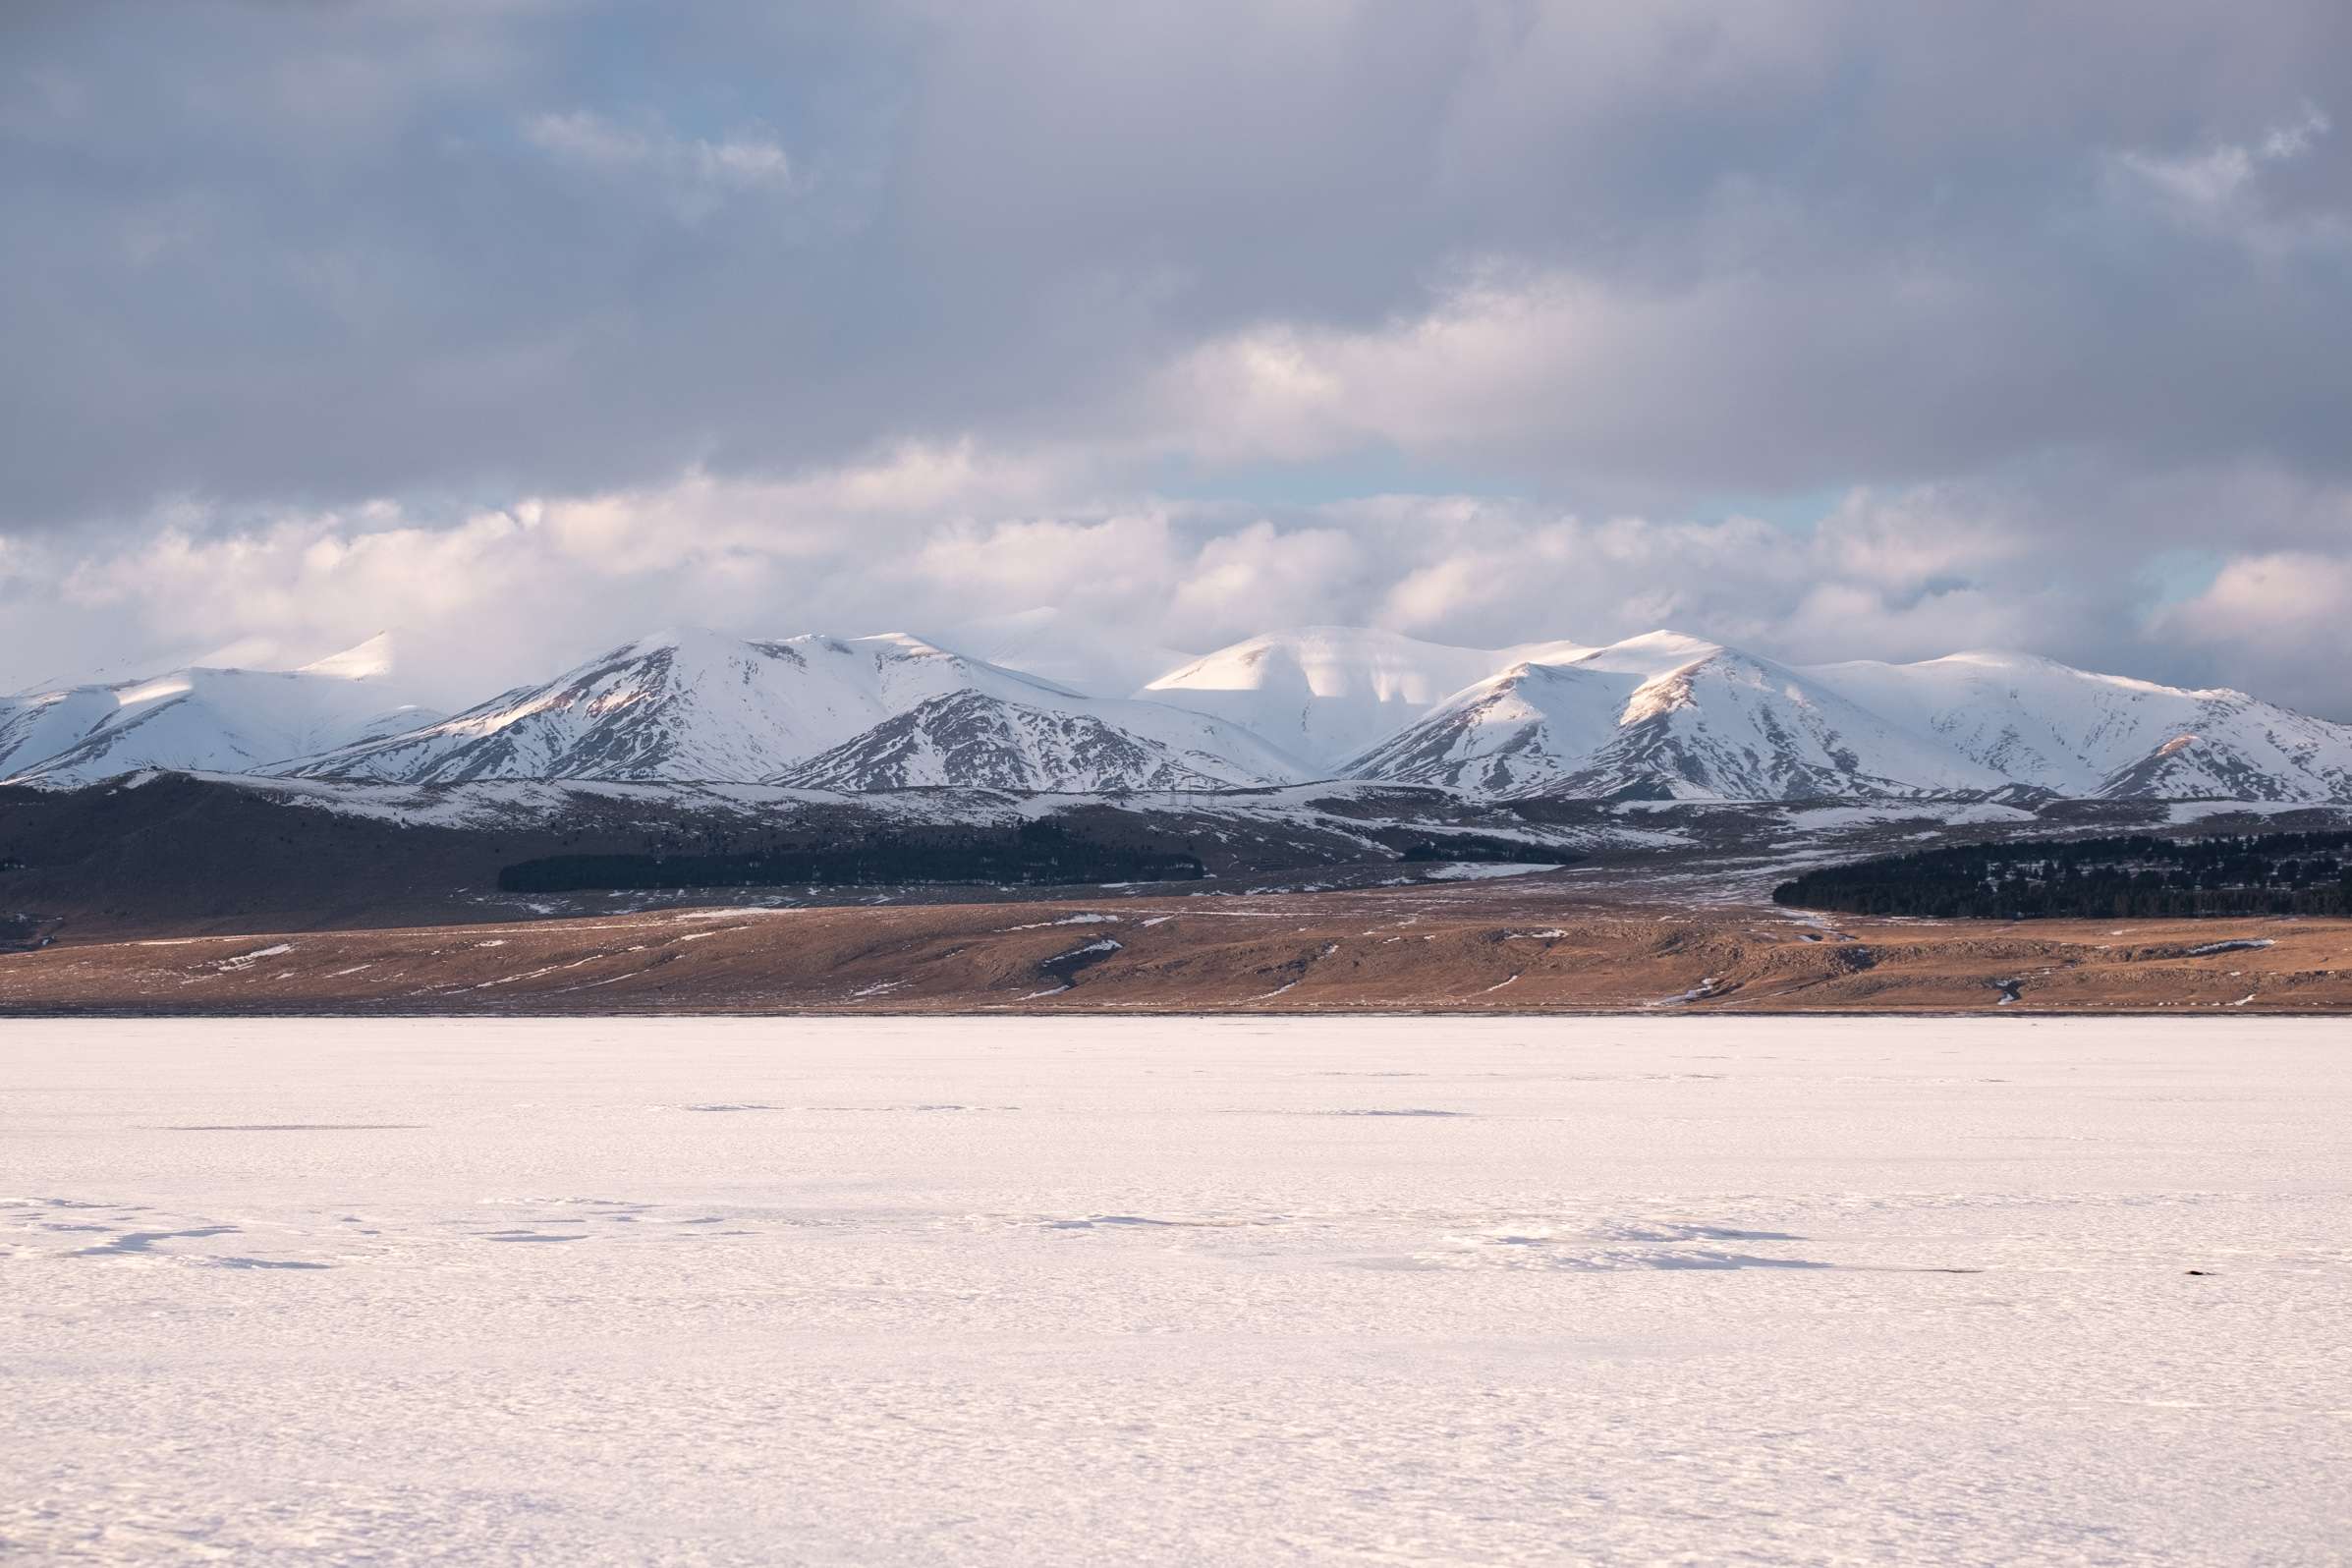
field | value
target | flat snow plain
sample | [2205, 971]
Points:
[1144, 1292]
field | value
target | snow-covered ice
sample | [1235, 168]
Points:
[1485, 871]
[1020, 1291]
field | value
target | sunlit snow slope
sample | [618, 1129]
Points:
[1326, 693]
[218, 721]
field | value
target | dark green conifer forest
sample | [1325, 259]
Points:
[2136, 877]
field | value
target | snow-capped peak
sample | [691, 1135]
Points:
[1325, 692]
[1651, 654]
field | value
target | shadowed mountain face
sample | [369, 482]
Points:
[973, 739]
[1661, 716]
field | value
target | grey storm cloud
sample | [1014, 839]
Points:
[2083, 273]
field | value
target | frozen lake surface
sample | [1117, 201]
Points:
[1377, 1291]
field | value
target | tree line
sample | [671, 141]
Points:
[1041, 853]
[2128, 878]
[1487, 847]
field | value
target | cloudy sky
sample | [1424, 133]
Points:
[528, 326]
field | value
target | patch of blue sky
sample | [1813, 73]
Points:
[1381, 471]
[1797, 510]
[2176, 576]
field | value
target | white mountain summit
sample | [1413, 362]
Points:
[1327, 693]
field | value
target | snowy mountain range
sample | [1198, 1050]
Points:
[1661, 716]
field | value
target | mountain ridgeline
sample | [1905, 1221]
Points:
[1656, 717]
